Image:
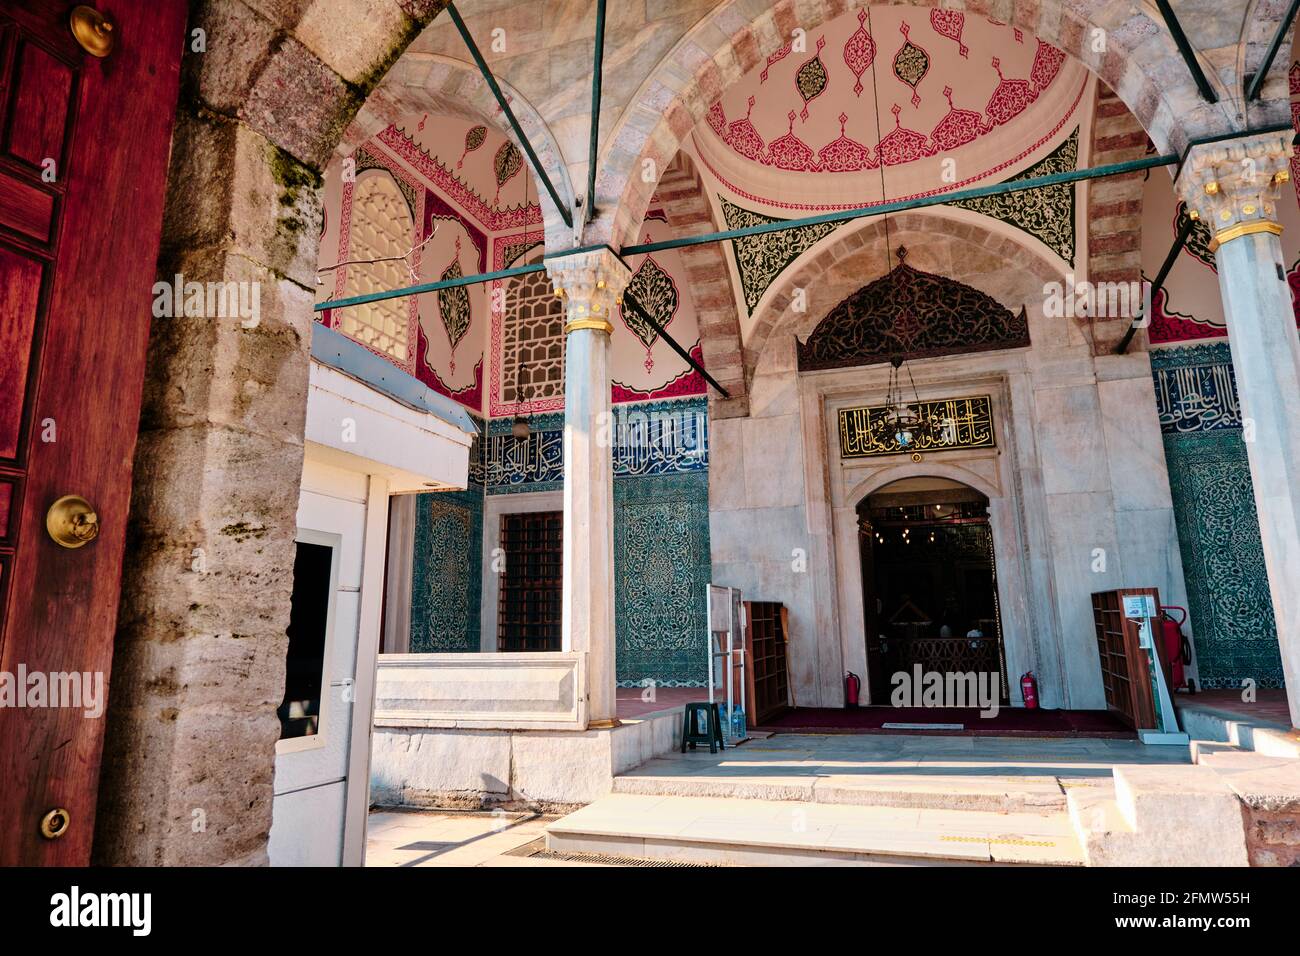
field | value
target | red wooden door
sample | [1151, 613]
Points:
[83, 162]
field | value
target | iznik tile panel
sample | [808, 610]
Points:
[653, 438]
[446, 576]
[1214, 508]
[1196, 389]
[661, 566]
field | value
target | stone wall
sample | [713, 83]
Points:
[199, 667]
[661, 538]
[1081, 502]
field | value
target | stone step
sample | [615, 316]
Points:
[755, 832]
[992, 793]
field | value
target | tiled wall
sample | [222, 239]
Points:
[1214, 506]
[661, 536]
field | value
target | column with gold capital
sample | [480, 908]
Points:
[1235, 187]
[590, 283]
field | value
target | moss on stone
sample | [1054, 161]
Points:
[242, 531]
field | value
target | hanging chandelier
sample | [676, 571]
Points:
[903, 419]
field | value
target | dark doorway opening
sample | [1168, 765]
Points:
[929, 581]
[304, 670]
[528, 612]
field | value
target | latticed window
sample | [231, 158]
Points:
[381, 227]
[529, 610]
[533, 350]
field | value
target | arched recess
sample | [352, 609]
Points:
[1121, 42]
[933, 469]
[969, 251]
[681, 196]
[443, 86]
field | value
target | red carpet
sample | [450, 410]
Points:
[1010, 722]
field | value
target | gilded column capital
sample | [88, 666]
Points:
[1233, 185]
[591, 283]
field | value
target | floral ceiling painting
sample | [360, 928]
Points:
[892, 103]
[424, 200]
[889, 87]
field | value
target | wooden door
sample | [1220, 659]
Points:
[83, 162]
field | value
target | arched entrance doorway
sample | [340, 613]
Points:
[929, 585]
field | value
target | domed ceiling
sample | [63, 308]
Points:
[889, 102]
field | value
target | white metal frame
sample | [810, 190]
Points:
[733, 654]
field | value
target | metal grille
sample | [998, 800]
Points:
[528, 615]
[533, 350]
[381, 228]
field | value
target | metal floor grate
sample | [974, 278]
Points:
[537, 850]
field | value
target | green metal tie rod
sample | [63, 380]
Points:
[598, 69]
[630, 299]
[510, 114]
[861, 212]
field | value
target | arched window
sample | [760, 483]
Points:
[533, 347]
[381, 226]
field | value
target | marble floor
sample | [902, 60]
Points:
[454, 838]
[958, 772]
[891, 788]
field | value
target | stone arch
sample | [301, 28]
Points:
[445, 86]
[219, 456]
[1139, 62]
[681, 196]
[930, 469]
[847, 261]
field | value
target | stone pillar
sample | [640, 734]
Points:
[1234, 187]
[590, 284]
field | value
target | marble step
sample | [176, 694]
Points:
[754, 832]
[992, 793]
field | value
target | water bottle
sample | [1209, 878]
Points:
[737, 723]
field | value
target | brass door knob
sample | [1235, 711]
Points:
[92, 29]
[72, 522]
[55, 823]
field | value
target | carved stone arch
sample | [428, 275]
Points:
[681, 196]
[974, 253]
[444, 86]
[1138, 60]
[933, 469]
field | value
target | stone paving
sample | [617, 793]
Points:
[454, 838]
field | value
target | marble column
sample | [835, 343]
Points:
[590, 284]
[1235, 186]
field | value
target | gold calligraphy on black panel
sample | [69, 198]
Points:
[956, 423]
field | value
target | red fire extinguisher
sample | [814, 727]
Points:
[852, 685]
[1177, 651]
[1029, 690]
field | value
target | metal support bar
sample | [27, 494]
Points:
[900, 205]
[1257, 81]
[1183, 233]
[598, 69]
[997, 189]
[1185, 48]
[491, 80]
[426, 287]
[630, 299]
